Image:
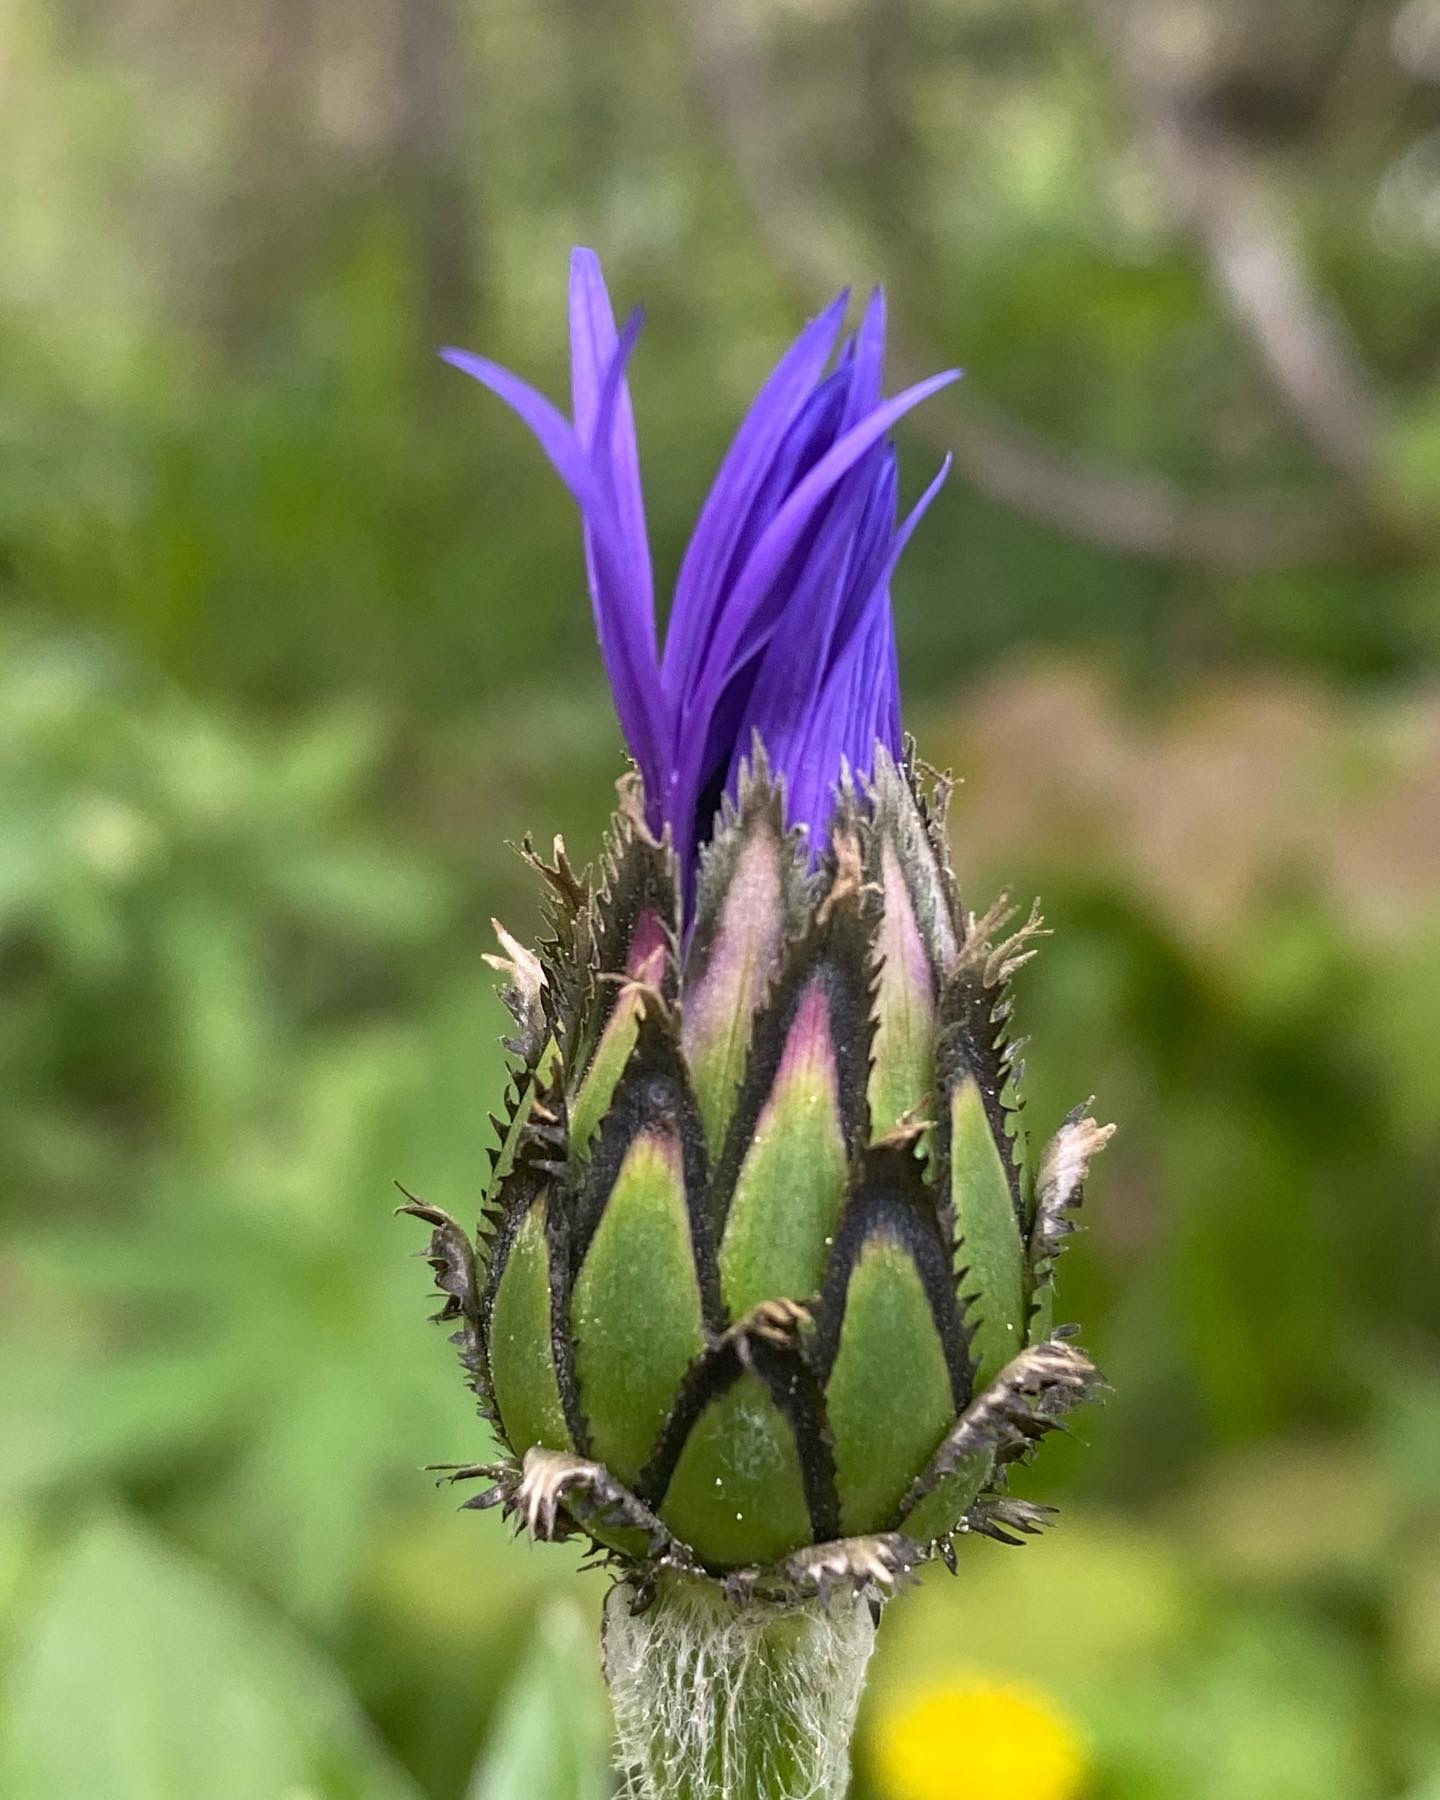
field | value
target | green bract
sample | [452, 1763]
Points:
[762, 1292]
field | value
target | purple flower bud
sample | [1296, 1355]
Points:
[780, 625]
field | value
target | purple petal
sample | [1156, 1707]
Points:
[876, 661]
[699, 591]
[873, 538]
[812, 612]
[851, 705]
[800, 447]
[633, 668]
[742, 628]
[593, 344]
[891, 732]
[810, 434]
[625, 644]
[841, 729]
[907, 530]
[869, 360]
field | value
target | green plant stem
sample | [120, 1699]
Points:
[722, 1701]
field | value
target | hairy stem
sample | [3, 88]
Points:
[715, 1701]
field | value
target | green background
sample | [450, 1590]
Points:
[295, 638]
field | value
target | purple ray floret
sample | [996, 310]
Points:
[780, 623]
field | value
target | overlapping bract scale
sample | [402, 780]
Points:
[759, 1258]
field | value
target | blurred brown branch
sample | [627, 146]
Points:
[1123, 509]
[1255, 265]
[428, 160]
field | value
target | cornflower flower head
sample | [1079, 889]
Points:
[761, 1300]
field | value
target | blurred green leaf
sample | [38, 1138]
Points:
[1117, 1596]
[1291, 1513]
[270, 1313]
[140, 1676]
[553, 1737]
[1264, 1704]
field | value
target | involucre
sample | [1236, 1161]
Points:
[762, 1294]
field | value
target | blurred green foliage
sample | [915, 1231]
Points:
[296, 639]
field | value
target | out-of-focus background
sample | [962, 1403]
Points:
[295, 638]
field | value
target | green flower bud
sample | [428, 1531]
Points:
[761, 1294]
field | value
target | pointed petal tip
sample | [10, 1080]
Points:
[909, 398]
[468, 362]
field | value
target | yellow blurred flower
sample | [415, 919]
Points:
[976, 1738]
